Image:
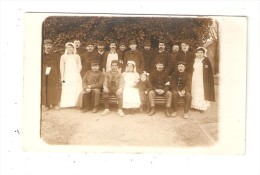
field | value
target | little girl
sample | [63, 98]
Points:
[144, 87]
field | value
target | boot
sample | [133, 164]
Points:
[167, 112]
[147, 108]
[142, 109]
[152, 112]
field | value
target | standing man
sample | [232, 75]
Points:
[113, 86]
[89, 56]
[186, 56]
[175, 52]
[148, 56]
[162, 56]
[51, 83]
[160, 86]
[134, 55]
[122, 49]
[181, 88]
[80, 50]
[101, 52]
[110, 56]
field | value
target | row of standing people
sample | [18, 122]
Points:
[72, 65]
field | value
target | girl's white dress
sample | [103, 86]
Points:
[131, 98]
[70, 67]
[197, 88]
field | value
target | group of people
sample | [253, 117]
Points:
[135, 77]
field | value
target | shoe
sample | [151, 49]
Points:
[105, 112]
[45, 108]
[147, 109]
[57, 108]
[174, 114]
[186, 116]
[167, 113]
[84, 110]
[120, 113]
[152, 112]
[94, 110]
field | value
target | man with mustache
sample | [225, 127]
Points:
[89, 56]
[134, 55]
[186, 56]
[160, 86]
[110, 56]
[80, 50]
[51, 83]
[162, 56]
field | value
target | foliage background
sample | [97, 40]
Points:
[62, 29]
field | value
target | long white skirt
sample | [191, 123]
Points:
[131, 98]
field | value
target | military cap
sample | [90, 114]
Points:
[47, 41]
[181, 62]
[147, 43]
[90, 42]
[132, 42]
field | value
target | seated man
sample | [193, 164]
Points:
[113, 86]
[181, 87]
[92, 84]
[160, 86]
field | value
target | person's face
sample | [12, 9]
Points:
[47, 47]
[181, 68]
[133, 47]
[161, 46]
[147, 47]
[95, 67]
[70, 49]
[90, 48]
[175, 48]
[100, 47]
[77, 43]
[143, 78]
[199, 54]
[122, 48]
[130, 67]
[159, 67]
[114, 67]
[184, 47]
[112, 46]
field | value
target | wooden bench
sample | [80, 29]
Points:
[158, 100]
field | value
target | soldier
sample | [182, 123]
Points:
[113, 86]
[51, 83]
[175, 52]
[162, 56]
[92, 84]
[160, 86]
[134, 55]
[101, 52]
[122, 49]
[186, 56]
[80, 50]
[181, 88]
[148, 56]
[89, 56]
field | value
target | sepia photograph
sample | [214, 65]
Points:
[130, 81]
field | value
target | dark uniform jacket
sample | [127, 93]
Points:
[148, 57]
[159, 80]
[187, 57]
[165, 58]
[208, 80]
[174, 62]
[181, 81]
[101, 58]
[86, 60]
[137, 57]
[51, 84]
[93, 78]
